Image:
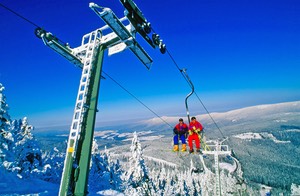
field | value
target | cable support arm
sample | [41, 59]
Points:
[124, 33]
[58, 46]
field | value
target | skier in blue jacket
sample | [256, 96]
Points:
[179, 132]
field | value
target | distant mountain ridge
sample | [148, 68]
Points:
[242, 113]
[231, 117]
[230, 122]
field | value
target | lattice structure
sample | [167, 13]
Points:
[217, 150]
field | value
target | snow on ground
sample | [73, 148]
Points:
[62, 135]
[234, 120]
[12, 185]
[112, 134]
[264, 190]
[227, 166]
[281, 121]
[146, 138]
[293, 130]
[272, 137]
[109, 192]
[105, 134]
[263, 135]
[161, 161]
[149, 138]
[249, 136]
[125, 135]
[295, 189]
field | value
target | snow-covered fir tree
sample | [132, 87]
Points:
[4, 116]
[295, 189]
[6, 138]
[28, 155]
[53, 162]
[197, 181]
[19, 151]
[137, 179]
[104, 173]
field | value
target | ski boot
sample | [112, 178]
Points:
[199, 151]
[175, 148]
[183, 148]
[191, 151]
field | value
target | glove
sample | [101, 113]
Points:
[190, 132]
[175, 131]
[194, 128]
[197, 130]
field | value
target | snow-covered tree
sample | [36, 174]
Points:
[19, 151]
[162, 179]
[53, 163]
[4, 116]
[104, 170]
[193, 185]
[137, 178]
[6, 138]
[20, 155]
[28, 155]
[295, 189]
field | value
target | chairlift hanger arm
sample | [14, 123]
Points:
[193, 90]
[58, 46]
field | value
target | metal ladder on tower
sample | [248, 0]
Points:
[81, 102]
[87, 53]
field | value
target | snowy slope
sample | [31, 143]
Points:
[252, 130]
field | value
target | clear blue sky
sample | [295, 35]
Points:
[238, 54]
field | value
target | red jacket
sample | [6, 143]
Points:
[195, 124]
[180, 129]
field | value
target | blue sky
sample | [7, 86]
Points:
[238, 54]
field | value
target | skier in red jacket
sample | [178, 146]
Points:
[195, 128]
[180, 131]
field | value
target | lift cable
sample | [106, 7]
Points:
[180, 70]
[192, 86]
[20, 16]
[210, 115]
[137, 99]
[27, 20]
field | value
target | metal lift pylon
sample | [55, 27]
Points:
[89, 57]
[216, 150]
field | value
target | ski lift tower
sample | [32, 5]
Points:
[217, 150]
[89, 57]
